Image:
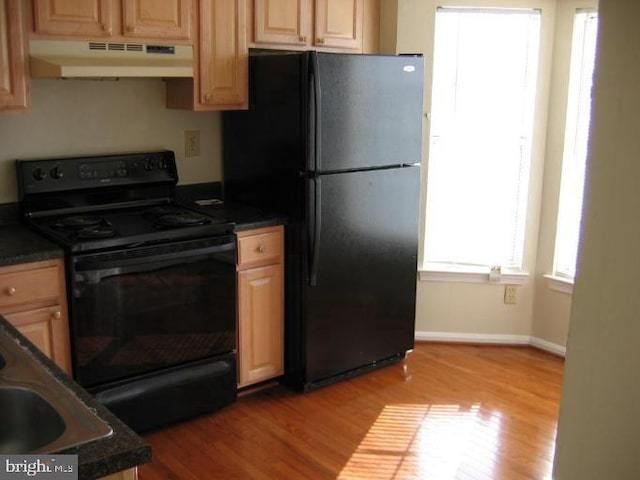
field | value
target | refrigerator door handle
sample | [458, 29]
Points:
[314, 227]
[315, 76]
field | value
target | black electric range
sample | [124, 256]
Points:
[151, 283]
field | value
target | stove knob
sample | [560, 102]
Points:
[148, 164]
[39, 174]
[57, 173]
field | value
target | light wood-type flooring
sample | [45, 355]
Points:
[447, 412]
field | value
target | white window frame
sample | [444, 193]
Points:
[512, 274]
[572, 165]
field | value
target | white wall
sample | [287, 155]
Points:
[599, 426]
[72, 117]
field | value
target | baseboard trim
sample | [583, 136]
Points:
[548, 346]
[491, 339]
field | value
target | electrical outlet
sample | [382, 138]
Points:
[191, 143]
[510, 294]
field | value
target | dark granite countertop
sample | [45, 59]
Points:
[122, 450]
[18, 244]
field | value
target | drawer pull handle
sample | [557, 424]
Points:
[11, 290]
[260, 249]
[57, 315]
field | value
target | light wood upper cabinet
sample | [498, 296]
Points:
[163, 20]
[339, 24]
[157, 18]
[33, 299]
[75, 18]
[285, 22]
[320, 24]
[260, 305]
[223, 56]
[14, 91]
[221, 71]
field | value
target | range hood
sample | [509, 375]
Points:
[76, 59]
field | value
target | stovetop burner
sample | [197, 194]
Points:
[78, 221]
[180, 219]
[85, 227]
[103, 230]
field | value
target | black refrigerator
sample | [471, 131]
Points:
[334, 142]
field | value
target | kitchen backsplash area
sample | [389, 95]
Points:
[75, 117]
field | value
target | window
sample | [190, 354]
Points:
[483, 94]
[574, 159]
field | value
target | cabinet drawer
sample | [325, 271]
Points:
[29, 286]
[260, 248]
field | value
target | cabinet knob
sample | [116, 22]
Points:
[302, 39]
[11, 290]
[207, 97]
[320, 41]
[131, 29]
[57, 315]
[260, 249]
[106, 28]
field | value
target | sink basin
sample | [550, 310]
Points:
[28, 421]
[38, 414]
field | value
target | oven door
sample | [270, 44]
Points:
[144, 309]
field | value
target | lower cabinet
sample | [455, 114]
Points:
[260, 305]
[33, 299]
[131, 474]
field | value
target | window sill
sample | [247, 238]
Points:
[559, 284]
[470, 274]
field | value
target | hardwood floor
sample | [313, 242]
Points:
[447, 412]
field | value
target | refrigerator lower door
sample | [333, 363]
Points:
[361, 308]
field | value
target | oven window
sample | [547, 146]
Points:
[129, 319]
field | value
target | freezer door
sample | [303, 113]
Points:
[366, 111]
[360, 300]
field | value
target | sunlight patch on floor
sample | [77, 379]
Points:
[438, 442]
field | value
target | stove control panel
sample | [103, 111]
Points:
[75, 173]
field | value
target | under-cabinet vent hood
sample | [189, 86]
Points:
[73, 59]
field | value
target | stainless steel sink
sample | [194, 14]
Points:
[38, 414]
[28, 421]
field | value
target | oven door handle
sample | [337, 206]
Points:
[127, 262]
[94, 275]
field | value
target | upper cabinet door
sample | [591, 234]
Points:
[339, 23]
[170, 19]
[73, 17]
[223, 54]
[13, 65]
[285, 22]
